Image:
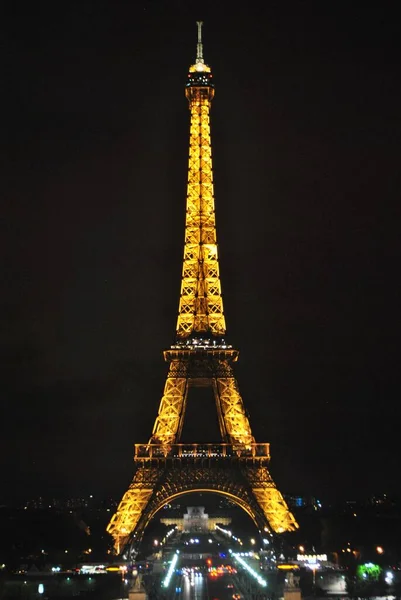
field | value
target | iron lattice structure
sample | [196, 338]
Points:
[164, 468]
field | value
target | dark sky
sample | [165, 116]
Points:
[306, 141]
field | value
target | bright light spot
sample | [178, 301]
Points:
[41, 588]
[379, 550]
[170, 571]
[252, 541]
[156, 542]
[312, 558]
[251, 571]
[389, 577]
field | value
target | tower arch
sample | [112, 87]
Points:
[237, 495]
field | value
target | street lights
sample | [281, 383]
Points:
[313, 569]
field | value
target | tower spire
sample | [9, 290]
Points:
[199, 47]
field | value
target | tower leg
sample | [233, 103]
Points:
[231, 408]
[169, 421]
[132, 506]
[270, 500]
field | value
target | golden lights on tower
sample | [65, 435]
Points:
[200, 357]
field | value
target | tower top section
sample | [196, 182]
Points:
[200, 66]
[201, 321]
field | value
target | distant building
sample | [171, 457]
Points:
[303, 502]
[196, 520]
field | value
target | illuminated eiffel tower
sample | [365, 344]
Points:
[237, 467]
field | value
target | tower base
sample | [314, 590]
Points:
[238, 473]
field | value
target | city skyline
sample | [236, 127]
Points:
[304, 137]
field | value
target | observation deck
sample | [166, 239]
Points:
[199, 453]
[199, 77]
[201, 348]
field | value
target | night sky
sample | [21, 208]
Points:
[306, 138]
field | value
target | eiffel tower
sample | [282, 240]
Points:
[238, 466]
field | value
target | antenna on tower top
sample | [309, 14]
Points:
[199, 47]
